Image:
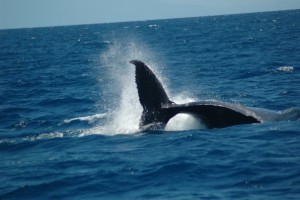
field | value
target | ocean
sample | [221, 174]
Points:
[69, 112]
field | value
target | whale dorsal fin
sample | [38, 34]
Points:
[151, 92]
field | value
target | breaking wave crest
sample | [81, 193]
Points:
[285, 69]
[33, 137]
[89, 119]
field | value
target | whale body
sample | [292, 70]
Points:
[158, 109]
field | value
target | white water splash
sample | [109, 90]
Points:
[124, 106]
[89, 119]
[285, 69]
[31, 138]
[183, 98]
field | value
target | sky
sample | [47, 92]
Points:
[42, 13]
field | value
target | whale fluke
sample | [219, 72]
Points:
[151, 93]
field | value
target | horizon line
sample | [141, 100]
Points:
[157, 19]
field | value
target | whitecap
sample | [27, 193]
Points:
[31, 138]
[285, 69]
[89, 119]
[153, 26]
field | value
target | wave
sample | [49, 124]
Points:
[32, 137]
[285, 69]
[292, 114]
[89, 119]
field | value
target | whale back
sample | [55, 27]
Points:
[158, 109]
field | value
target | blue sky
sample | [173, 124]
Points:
[37, 13]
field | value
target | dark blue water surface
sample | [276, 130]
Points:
[69, 109]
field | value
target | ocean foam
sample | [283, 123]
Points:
[89, 119]
[285, 69]
[31, 138]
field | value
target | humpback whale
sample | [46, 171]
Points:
[158, 109]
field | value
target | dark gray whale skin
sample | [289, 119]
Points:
[158, 109]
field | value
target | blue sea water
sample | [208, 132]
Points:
[69, 109]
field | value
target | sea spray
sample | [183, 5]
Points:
[90, 119]
[124, 108]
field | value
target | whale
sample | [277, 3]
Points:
[158, 109]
